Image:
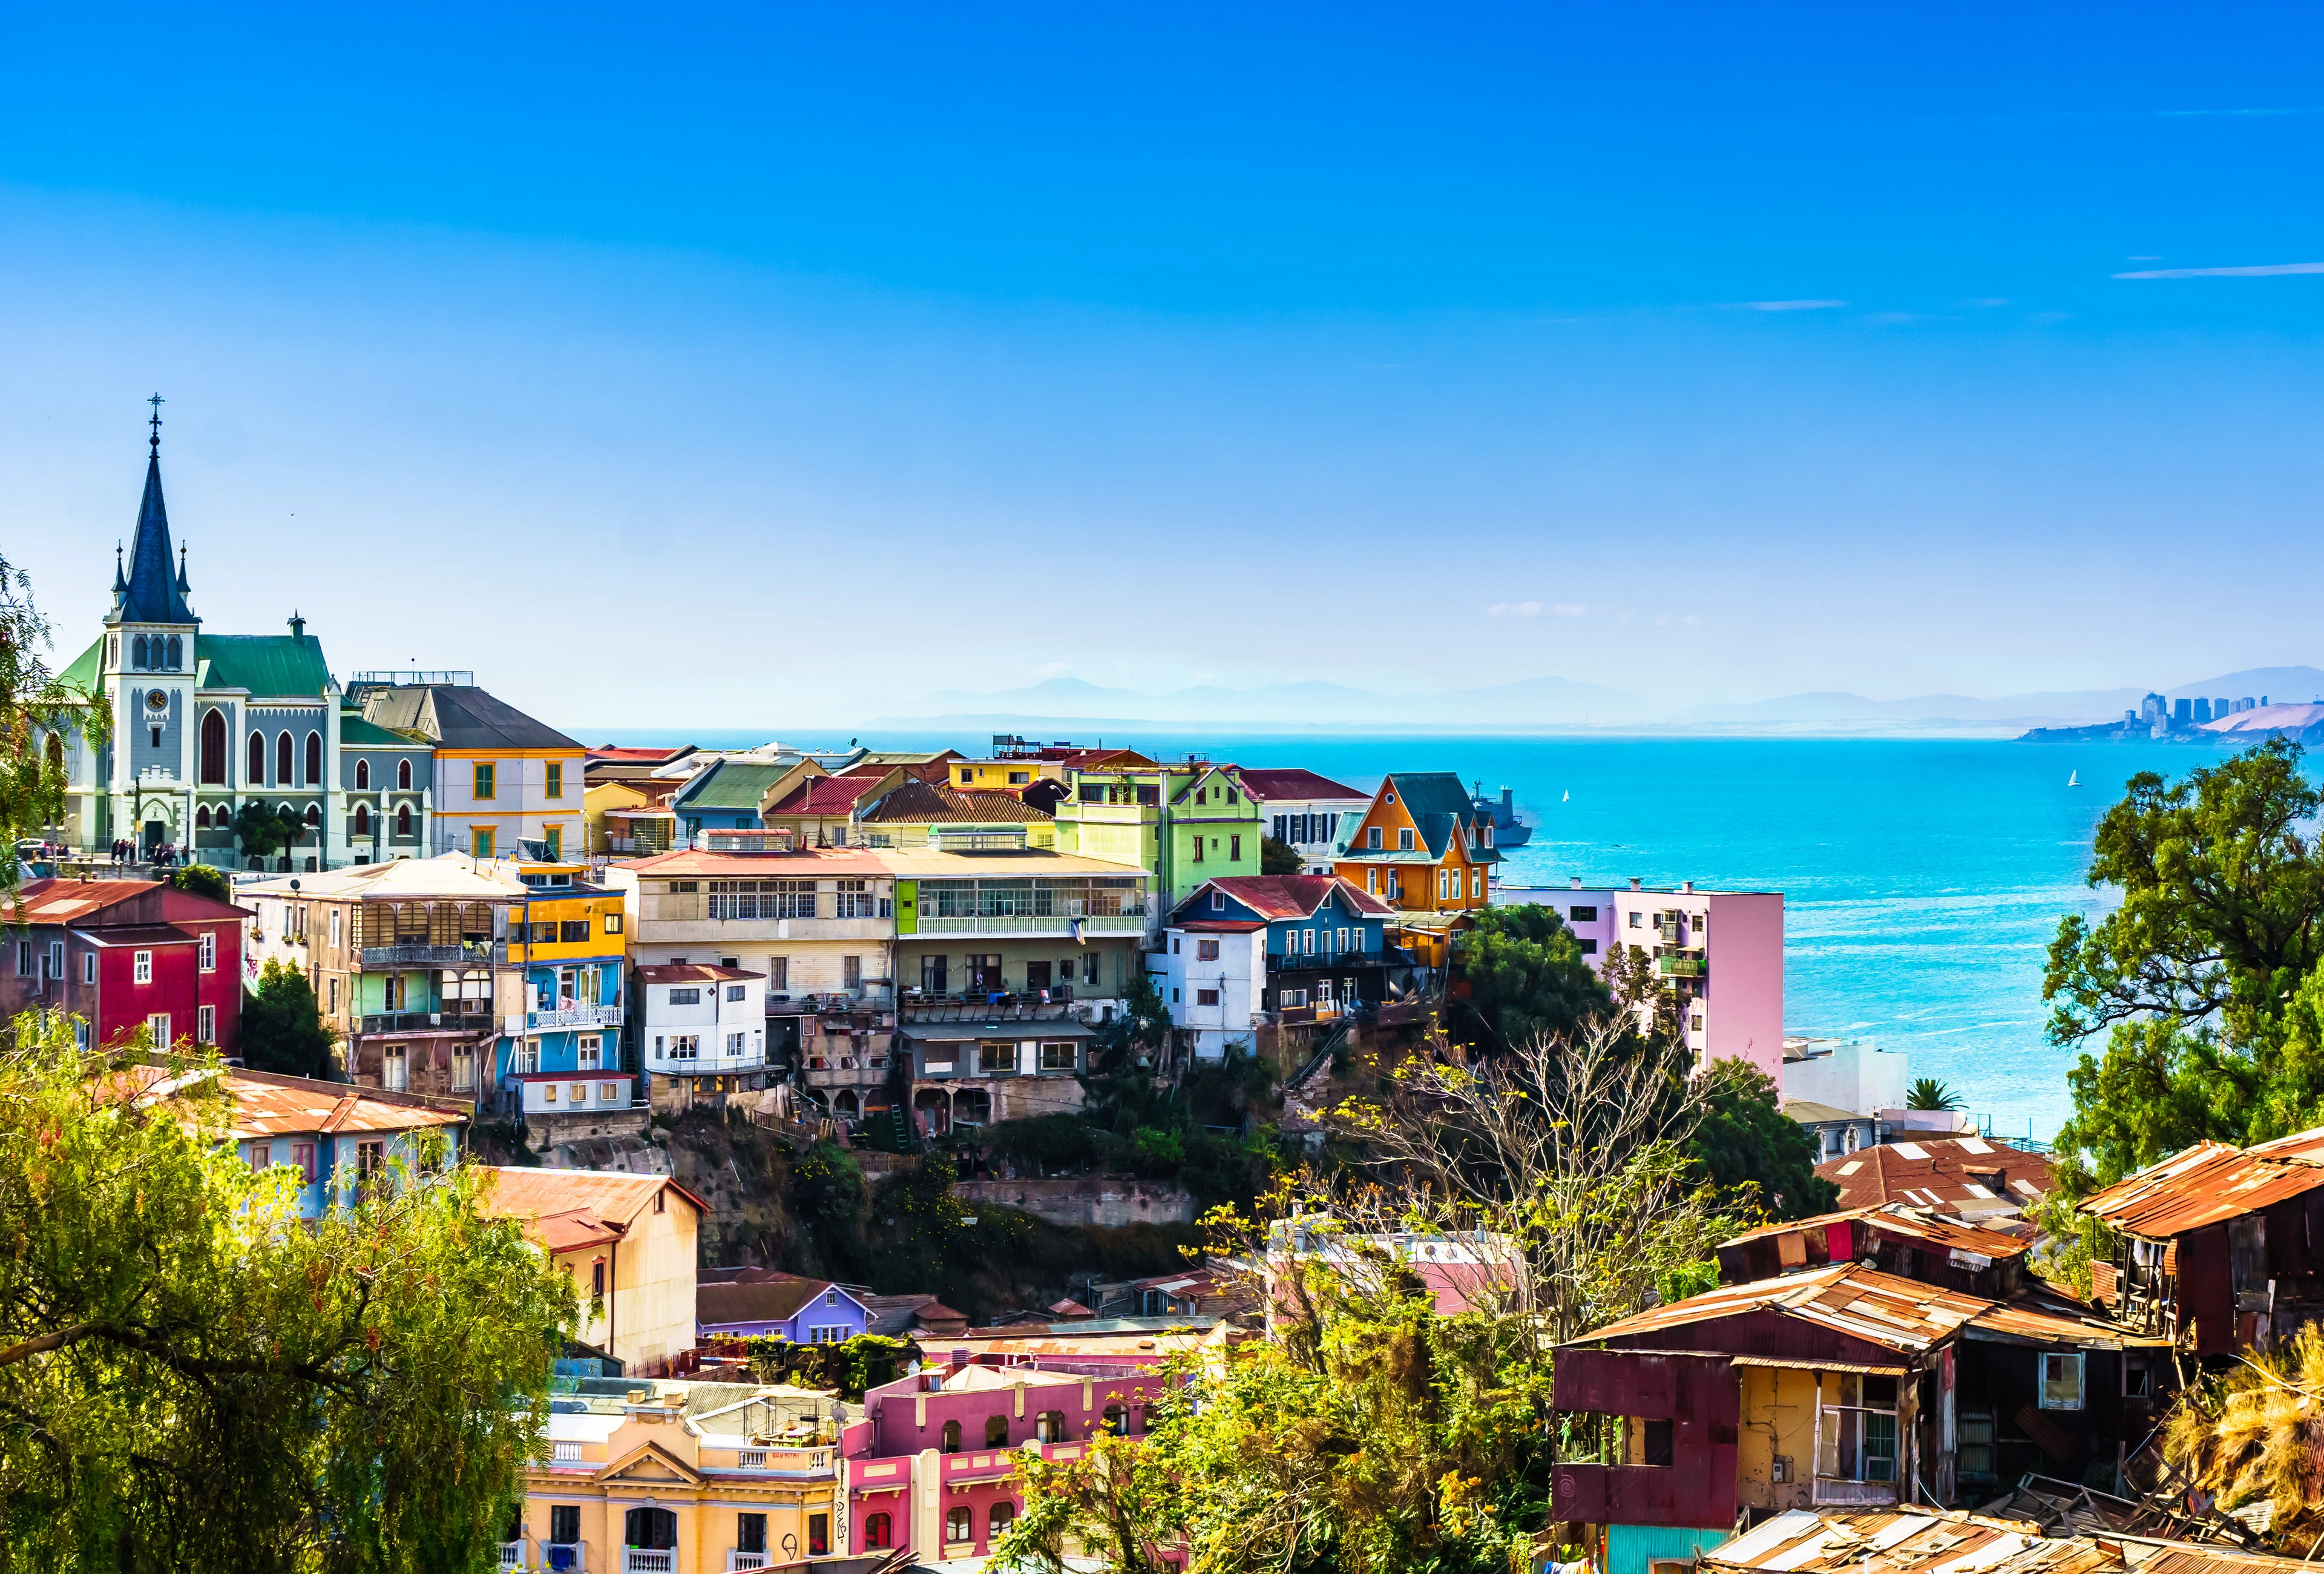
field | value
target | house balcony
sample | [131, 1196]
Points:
[426, 956]
[994, 1008]
[512, 1555]
[1683, 967]
[1058, 926]
[578, 1016]
[1325, 961]
[649, 1561]
[847, 1071]
[737, 1561]
[450, 1020]
[565, 1557]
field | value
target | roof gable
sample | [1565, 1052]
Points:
[1281, 896]
[278, 665]
[650, 1462]
[1275, 786]
[729, 785]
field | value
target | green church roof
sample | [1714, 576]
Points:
[267, 664]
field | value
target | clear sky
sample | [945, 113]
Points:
[689, 366]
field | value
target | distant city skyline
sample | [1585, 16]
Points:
[693, 371]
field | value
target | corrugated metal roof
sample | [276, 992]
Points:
[1939, 1172]
[918, 802]
[1903, 1541]
[270, 665]
[731, 784]
[2207, 1184]
[1898, 1220]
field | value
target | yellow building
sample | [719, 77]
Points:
[628, 1242]
[683, 1478]
[501, 776]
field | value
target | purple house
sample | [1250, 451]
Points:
[805, 1312]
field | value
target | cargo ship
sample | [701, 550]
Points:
[1508, 830]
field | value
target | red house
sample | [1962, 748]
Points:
[126, 954]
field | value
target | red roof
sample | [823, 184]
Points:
[692, 973]
[826, 795]
[802, 861]
[1289, 896]
[640, 756]
[1224, 926]
[1269, 785]
[1939, 1172]
[92, 902]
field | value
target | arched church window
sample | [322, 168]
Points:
[314, 759]
[363, 820]
[403, 822]
[314, 814]
[137, 652]
[213, 749]
[282, 761]
[176, 653]
[404, 775]
[363, 774]
[257, 761]
[202, 817]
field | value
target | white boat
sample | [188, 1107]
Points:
[1569, 796]
[2073, 778]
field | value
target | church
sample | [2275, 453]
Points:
[205, 724]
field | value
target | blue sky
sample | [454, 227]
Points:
[713, 367]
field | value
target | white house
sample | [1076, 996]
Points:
[1212, 976]
[703, 1024]
[1305, 812]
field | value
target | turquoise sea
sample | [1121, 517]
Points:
[1923, 880]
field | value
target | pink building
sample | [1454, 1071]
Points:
[1720, 952]
[931, 1467]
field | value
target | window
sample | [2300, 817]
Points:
[877, 1532]
[141, 966]
[556, 787]
[818, 1535]
[480, 840]
[403, 822]
[484, 784]
[563, 1523]
[257, 761]
[392, 1073]
[1089, 969]
[685, 996]
[1404, 838]
[1372, 837]
[1339, 937]
[951, 1445]
[261, 1155]
[750, 1532]
[959, 1523]
[333, 991]
[685, 1046]
[1587, 948]
[588, 1051]
[555, 836]
[1476, 884]
[1116, 1420]
[303, 1159]
[1019, 778]
[540, 934]
[404, 775]
[549, 1093]
[283, 776]
[57, 959]
[1657, 1443]
[2061, 1381]
[1049, 1426]
[851, 973]
[1207, 951]
[137, 656]
[1004, 1515]
[996, 1432]
[206, 1024]
[528, 1057]
[1234, 849]
[1056, 1057]
[854, 899]
[464, 1070]
[1638, 920]
[1206, 997]
[370, 1158]
[991, 1058]
[1582, 914]
[1198, 849]
[314, 759]
[736, 1047]
[362, 831]
[738, 992]
[88, 966]
[572, 930]
[363, 775]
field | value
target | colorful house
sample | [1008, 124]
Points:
[1182, 823]
[501, 777]
[705, 1031]
[915, 813]
[627, 1241]
[783, 1306]
[1303, 812]
[729, 795]
[1243, 950]
[819, 812]
[569, 945]
[1421, 846]
[119, 955]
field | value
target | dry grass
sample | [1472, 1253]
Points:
[2257, 1433]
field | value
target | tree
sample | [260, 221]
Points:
[265, 831]
[1519, 976]
[1745, 1140]
[202, 880]
[2255, 1434]
[1137, 1032]
[197, 1379]
[282, 1030]
[1276, 858]
[38, 712]
[2193, 977]
[1928, 1093]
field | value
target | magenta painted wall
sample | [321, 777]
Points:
[178, 986]
[1743, 1008]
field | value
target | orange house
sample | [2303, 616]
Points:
[1423, 845]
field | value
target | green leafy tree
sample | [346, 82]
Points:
[265, 831]
[202, 880]
[1519, 976]
[1745, 1141]
[1276, 858]
[1141, 1029]
[1928, 1093]
[196, 1378]
[2193, 978]
[282, 1030]
[38, 712]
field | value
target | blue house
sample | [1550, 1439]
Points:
[333, 1137]
[568, 939]
[728, 795]
[784, 1306]
[1272, 948]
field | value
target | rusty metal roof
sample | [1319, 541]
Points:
[1881, 1308]
[1902, 1541]
[2207, 1184]
[1896, 1218]
[1950, 1172]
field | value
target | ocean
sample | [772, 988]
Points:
[1923, 880]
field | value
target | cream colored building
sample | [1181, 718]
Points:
[685, 1478]
[818, 922]
[628, 1242]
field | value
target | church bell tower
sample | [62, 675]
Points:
[149, 673]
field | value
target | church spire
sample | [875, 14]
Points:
[151, 592]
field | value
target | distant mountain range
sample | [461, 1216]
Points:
[1562, 704]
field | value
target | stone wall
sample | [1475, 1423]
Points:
[1109, 1200]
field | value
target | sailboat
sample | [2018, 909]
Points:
[1569, 796]
[2073, 778]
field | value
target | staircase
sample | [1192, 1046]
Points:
[1326, 1047]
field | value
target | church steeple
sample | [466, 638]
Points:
[152, 591]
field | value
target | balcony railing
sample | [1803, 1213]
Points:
[578, 1016]
[427, 956]
[738, 1559]
[1683, 967]
[992, 1008]
[1325, 961]
[446, 1021]
[649, 1561]
[1121, 923]
[512, 1554]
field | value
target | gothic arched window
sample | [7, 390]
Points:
[213, 749]
[202, 817]
[404, 775]
[137, 652]
[363, 820]
[283, 760]
[314, 814]
[176, 653]
[314, 760]
[257, 761]
[403, 822]
[363, 774]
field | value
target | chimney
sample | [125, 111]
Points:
[1633, 882]
[1687, 886]
[298, 627]
[1577, 882]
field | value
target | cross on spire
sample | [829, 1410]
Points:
[156, 403]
